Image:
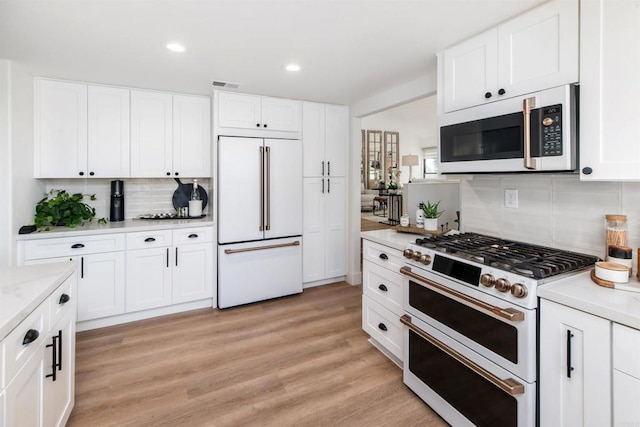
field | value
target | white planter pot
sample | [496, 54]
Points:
[431, 224]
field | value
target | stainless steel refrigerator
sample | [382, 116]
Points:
[259, 206]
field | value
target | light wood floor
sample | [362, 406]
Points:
[301, 360]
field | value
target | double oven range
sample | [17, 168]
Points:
[472, 324]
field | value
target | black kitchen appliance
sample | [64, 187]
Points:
[116, 212]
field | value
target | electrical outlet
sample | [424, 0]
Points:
[511, 198]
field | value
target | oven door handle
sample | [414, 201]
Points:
[506, 313]
[508, 385]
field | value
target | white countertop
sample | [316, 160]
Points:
[22, 289]
[93, 227]
[390, 237]
[581, 293]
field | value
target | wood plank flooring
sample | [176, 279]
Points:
[295, 361]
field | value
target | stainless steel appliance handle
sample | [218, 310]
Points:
[268, 227]
[261, 189]
[260, 248]
[506, 313]
[527, 105]
[508, 385]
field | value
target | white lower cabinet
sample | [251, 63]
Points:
[101, 285]
[148, 279]
[193, 272]
[626, 376]
[24, 394]
[575, 367]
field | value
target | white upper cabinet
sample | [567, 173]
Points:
[533, 51]
[325, 139]
[610, 90]
[258, 113]
[192, 136]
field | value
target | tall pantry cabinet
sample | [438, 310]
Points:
[325, 140]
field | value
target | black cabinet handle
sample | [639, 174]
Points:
[322, 185]
[30, 336]
[383, 256]
[488, 95]
[91, 173]
[383, 288]
[176, 257]
[77, 246]
[82, 267]
[168, 173]
[64, 298]
[176, 174]
[323, 168]
[264, 125]
[149, 239]
[54, 356]
[587, 170]
[329, 168]
[382, 327]
[193, 236]
[328, 185]
[81, 174]
[502, 91]
[569, 367]
[167, 257]
[257, 125]
[59, 350]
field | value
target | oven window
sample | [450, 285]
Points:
[477, 399]
[489, 332]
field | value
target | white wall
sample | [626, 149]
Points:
[6, 237]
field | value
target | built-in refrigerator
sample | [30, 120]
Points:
[259, 219]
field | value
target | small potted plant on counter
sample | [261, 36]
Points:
[393, 188]
[60, 208]
[431, 215]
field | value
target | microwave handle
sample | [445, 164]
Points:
[527, 105]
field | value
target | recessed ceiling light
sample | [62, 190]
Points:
[292, 67]
[175, 47]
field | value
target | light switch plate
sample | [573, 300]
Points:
[511, 198]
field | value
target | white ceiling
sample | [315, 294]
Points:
[349, 49]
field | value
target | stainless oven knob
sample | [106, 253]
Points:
[408, 253]
[487, 280]
[519, 290]
[425, 259]
[416, 255]
[503, 285]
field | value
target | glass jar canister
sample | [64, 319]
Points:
[615, 232]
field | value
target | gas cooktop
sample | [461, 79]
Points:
[526, 259]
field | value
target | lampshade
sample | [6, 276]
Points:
[410, 160]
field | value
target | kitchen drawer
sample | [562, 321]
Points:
[73, 246]
[382, 255]
[383, 286]
[62, 299]
[14, 353]
[383, 326]
[149, 239]
[192, 235]
[626, 350]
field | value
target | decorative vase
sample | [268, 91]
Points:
[431, 224]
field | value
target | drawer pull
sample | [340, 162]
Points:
[383, 288]
[30, 336]
[193, 236]
[384, 256]
[64, 298]
[149, 239]
[382, 327]
[77, 246]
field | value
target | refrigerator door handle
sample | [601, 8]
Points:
[260, 248]
[261, 189]
[268, 227]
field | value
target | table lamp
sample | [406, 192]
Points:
[410, 160]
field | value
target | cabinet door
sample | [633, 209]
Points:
[24, 394]
[59, 393]
[470, 72]
[193, 272]
[335, 254]
[60, 130]
[281, 114]
[108, 132]
[313, 139]
[239, 111]
[337, 139]
[313, 236]
[575, 367]
[148, 279]
[192, 136]
[2, 403]
[151, 134]
[610, 91]
[101, 285]
[626, 395]
[539, 49]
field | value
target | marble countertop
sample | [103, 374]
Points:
[23, 288]
[93, 227]
[390, 237]
[581, 293]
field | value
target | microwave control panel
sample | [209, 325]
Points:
[551, 124]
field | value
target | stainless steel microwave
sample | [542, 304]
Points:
[531, 133]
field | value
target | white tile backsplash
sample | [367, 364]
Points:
[141, 195]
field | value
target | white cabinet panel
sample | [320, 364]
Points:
[335, 228]
[383, 326]
[239, 111]
[193, 272]
[626, 395]
[314, 214]
[148, 279]
[313, 139]
[337, 139]
[192, 136]
[151, 134]
[101, 285]
[24, 394]
[280, 114]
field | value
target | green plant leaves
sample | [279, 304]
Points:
[431, 210]
[60, 208]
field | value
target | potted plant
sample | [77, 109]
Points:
[60, 208]
[393, 187]
[431, 215]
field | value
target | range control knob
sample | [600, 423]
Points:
[503, 285]
[408, 253]
[487, 280]
[425, 259]
[416, 255]
[519, 290]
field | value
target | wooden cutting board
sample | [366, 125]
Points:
[416, 230]
[631, 286]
